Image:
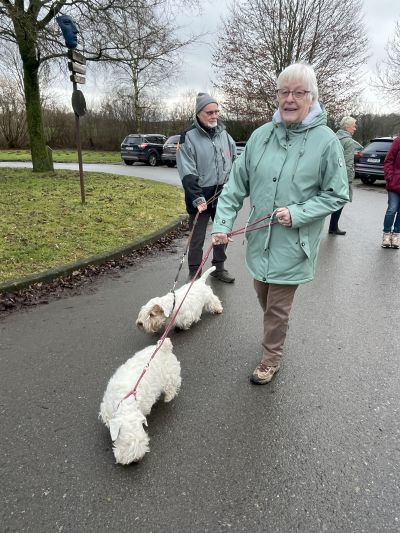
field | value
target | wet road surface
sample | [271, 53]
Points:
[316, 450]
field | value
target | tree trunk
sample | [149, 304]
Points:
[27, 44]
[41, 161]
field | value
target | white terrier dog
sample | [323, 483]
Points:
[125, 417]
[154, 315]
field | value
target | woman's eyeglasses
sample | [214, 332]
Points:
[297, 95]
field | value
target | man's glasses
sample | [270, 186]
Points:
[297, 95]
[209, 113]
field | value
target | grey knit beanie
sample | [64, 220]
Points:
[202, 100]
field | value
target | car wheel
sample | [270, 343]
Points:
[170, 164]
[152, 160]
[127, 162]
[367, 180]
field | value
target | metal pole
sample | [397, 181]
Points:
[79, 147]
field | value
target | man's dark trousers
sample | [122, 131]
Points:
[195, 255]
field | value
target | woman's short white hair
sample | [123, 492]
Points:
[303, 73]
[346, 122]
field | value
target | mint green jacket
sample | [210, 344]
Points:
[348, 145]
[300, 167]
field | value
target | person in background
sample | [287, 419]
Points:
[391, 222]
[204, 159]
[348, 126]
[292, 169]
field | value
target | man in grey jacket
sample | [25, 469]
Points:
[204, 159]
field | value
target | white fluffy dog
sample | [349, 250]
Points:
[153, 316]
[125, 417]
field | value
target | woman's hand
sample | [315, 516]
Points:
[220, 238]
[283, 216]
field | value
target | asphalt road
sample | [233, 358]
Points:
[140, 170]
[317, 450]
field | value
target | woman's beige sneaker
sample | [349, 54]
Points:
[387, 240]
[263, 374]
[395, 240]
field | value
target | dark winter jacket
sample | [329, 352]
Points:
[391, 167]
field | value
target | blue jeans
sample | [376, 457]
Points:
[392, 216]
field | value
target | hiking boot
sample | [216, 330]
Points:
[395, 240]
[387, 240]
[263, 374]
[222, 275]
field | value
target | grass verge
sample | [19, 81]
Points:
[64, 156]
[44, 225]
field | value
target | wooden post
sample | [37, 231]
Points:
[78, 69]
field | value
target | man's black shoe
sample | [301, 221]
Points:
[222, 275]
[337, 232]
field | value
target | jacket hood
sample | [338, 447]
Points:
[316, 117]
[341, 134]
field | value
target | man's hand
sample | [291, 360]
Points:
[202, 207]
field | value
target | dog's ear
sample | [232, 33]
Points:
[115, 427]
[164, 310]
[156, 310]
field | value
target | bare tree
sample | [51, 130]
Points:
[259, 38]
[182, 109]
[12, 114]
[389, 71]
[143, 50]
[30, 25]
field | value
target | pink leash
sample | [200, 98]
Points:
[168, 327]
[240, 231]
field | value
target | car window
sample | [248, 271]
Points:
[174, 139]
[378, 146]
[133, 139]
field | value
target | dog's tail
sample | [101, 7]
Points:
[204, 276]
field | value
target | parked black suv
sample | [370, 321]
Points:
[368, 163]
[142, 147]
[168, 155]
[240, 146]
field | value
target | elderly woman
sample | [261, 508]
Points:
[348, 126]
[293, 169]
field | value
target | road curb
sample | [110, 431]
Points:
[53, 273]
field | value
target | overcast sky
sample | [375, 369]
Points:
[197, 74]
